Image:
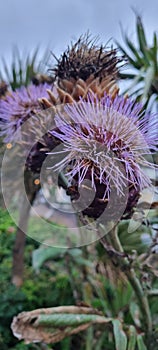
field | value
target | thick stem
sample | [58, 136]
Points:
[19, 245]
[124, 264]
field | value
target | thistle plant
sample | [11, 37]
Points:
[106, 139]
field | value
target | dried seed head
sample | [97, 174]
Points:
[84, 68]
[86, 58]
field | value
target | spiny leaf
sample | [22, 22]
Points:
[146, 59]
[155, 52]
[148, 81]
[141, 35]
[134, 50]
[135, 64]
[14, 75]
[22, 68]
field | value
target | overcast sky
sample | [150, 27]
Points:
[55, 23]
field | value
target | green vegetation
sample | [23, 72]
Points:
[55, 277]
[141, 70]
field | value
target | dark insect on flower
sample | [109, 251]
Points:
[42, 79]
[18, 106]
[3, 88]
[106, 141]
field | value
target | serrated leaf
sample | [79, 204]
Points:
[140, 343]
[119, 335]
[132, 338]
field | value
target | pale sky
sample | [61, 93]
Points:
[54, 23]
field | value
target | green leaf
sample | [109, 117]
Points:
[127, 75]
[132, 338]
[141, 35]
[40, 255]
[119, 335]
[155, 52]
[68, 320]
[75, 252]
[148, 81]
[134, 63]
[134, 50]
[14, 74]
[140, 343]
[135, 313]
[22, 68]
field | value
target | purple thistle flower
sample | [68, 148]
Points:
[18, 106]
[106, 142]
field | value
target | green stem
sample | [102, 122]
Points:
[132, 278]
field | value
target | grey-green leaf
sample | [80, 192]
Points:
[148, 81]
[119, 335]
[132, 338]
[140, 343]
[40, 255]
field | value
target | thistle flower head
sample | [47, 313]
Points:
[85, 67]
[84, 58]
[106, 142]
[18, 106]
